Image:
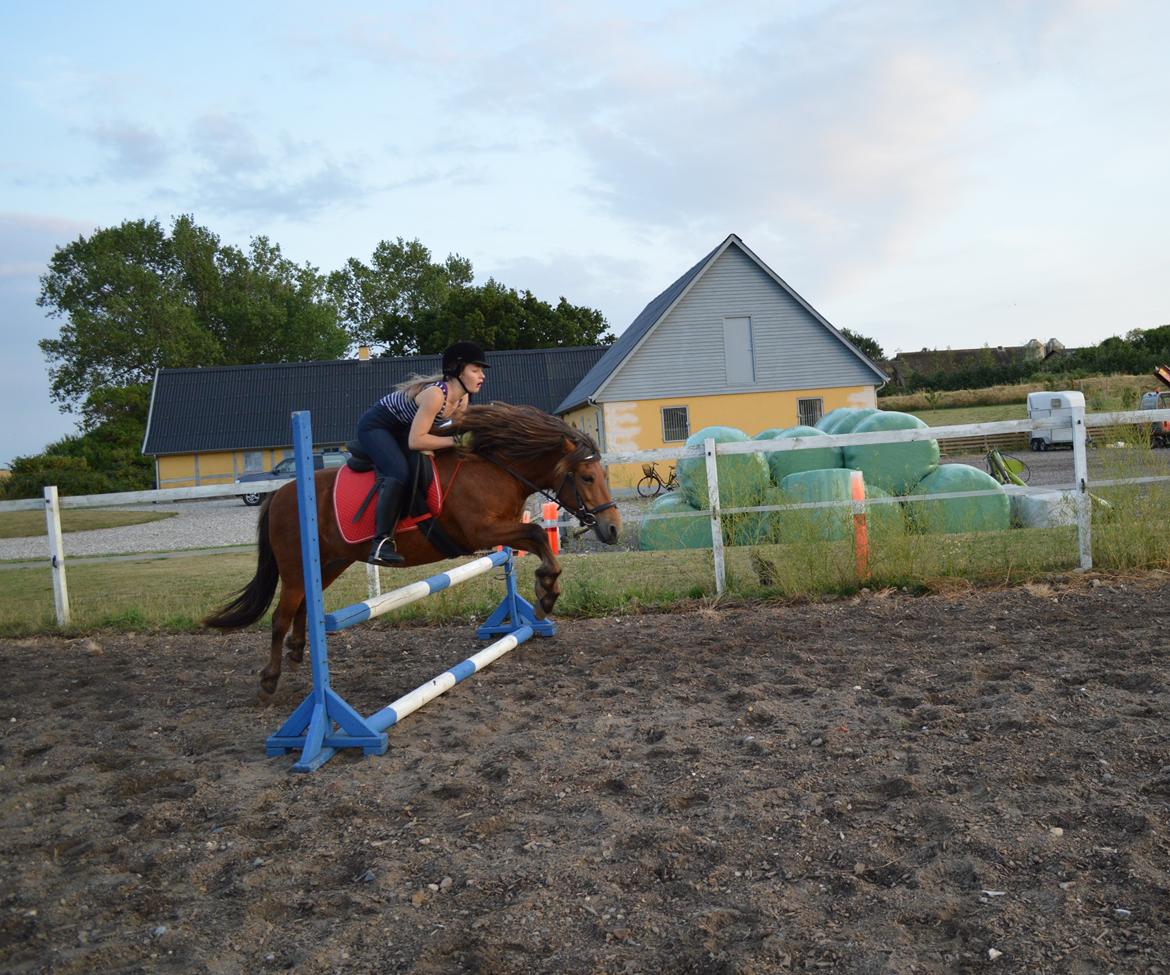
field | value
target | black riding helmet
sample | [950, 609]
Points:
[463, 354]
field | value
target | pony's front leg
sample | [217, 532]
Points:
[531, 537]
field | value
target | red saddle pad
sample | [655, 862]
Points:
[351, 490]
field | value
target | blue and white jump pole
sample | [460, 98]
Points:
[324, 722]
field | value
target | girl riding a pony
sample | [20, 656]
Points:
[411, 418]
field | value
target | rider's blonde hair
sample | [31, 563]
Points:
[416, 383]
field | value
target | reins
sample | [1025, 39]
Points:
[586, 516]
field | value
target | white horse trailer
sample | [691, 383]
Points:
[1053, 406]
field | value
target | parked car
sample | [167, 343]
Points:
[286, 469]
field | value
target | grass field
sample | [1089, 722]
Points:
[972, 414]
[174, 594]
[29, 524]
[1102, 393]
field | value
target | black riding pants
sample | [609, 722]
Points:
[386, 441]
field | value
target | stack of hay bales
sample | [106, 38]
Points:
[822, 474]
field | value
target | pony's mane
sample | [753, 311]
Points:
[503, 432]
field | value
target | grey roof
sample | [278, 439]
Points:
[657, 309]
[249, 407]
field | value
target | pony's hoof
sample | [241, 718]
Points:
[294, 663]
[267, 689]
[263, 697]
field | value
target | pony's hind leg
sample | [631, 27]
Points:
[292, 603]
[297, 639]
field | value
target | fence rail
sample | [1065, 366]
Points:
[958, 446]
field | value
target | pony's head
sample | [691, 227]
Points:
[556, 455]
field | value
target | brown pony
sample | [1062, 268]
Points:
[511, 453]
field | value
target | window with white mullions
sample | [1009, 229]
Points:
[676, 423]
[809, 411]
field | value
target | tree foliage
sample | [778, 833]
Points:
[380, 303]
[502, 318]
[1137, 353]
[135, 298]
[868, 347]
[408, 304]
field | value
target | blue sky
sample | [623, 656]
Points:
[931, 173]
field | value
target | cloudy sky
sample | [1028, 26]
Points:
[926, 172]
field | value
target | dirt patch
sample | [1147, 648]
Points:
[888, 784]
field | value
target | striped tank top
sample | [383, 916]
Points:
[402, 407]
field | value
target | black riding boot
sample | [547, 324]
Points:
[383, 552]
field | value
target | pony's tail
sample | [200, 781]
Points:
[251, 602]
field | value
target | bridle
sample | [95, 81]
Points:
[586, 516]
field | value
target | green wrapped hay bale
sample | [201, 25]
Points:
[785, 462]
[743, 478]
[956, 515]
[666, 532]
[852, 419]
[893, 467]
[830, 420]
[816, 524]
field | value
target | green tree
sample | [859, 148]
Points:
[868, 347]
[380, 303]
[502, 318]
[135, 298]
[126, 311]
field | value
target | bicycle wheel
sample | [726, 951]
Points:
[649, 486]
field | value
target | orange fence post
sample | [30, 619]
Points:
[526, 518]
[860, 529]
[549, 514]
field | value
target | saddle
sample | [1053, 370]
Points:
[355, 501]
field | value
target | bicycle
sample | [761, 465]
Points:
[652, 483]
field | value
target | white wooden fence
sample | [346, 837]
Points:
[710, 451]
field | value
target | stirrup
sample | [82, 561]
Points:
[384, 552]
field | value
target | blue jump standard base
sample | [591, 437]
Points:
[324, 722]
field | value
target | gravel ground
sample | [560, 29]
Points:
[197, 524]
[227, 521]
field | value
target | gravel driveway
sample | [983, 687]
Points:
[196, 525]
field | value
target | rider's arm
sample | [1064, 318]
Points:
[429, 401]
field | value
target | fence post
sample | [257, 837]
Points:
[57, 555]
[716, 517]
[860, 526]
[1081, 476]
[550, 512]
